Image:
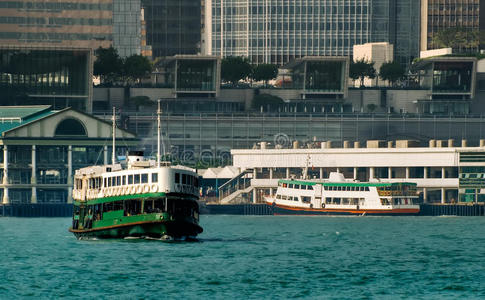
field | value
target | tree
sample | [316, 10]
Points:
[108, 65]
[265, 72]
[361, 69]
[136, 67]
[235, 68]
[456, 38]
[392, 71]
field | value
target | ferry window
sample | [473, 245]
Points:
[284, 185]
[297, 186]
[278, 196]
[177, 177]
[309, 187]
[144, 178]
[154, 177]
[190, 179]
[339, 188]
[118, 180]
[124, 180]
[328, 200]
[290, 185]
[306, 199]
[137, 178]
[105, 182]
[295, 198]
[367, 188]
[196, 181]
[130, 179]
[184, 178]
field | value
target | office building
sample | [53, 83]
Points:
[173, 26]
[80, 23]
[278, 32]
[127, 27]
[441, 15]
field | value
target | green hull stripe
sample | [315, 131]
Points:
[122, 197]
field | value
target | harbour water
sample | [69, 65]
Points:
[252, 257]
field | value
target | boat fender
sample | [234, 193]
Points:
[154, 188]
[323, 205]
[146, 188]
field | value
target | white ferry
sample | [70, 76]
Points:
[144, 198]
[338, 196]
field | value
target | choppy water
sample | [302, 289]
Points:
[252, 257]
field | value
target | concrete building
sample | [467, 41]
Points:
[278, 32]
[378, 53]
[80, 23]
[444, 172]
[173, 26]
[57, 76]
[42, 147]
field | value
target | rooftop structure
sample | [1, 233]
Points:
[57, 76]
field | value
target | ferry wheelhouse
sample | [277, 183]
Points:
[339, 196]
[142, 198]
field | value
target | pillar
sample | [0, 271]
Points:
[443, 172]
[33, 178]
[255, 195]
[425, 172]
[255, 173]
[389, 172]
[5, 199]
[270, 173]
[371, 173]
[425, 195]
[287, 172]
[443, 195]
[69, 172]
[105, 156]
[321, 173]
[355, 173]
[407, 172]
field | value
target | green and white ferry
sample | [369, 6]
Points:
[338, 196]
[143, 199]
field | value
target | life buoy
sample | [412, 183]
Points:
[323, 205]
[154, 188]
[146, 188]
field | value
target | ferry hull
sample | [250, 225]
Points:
[287, 210]
[152, 229]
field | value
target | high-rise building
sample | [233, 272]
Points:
[127, 27]
[440, 15]
[173, 26]
[270, 31]
[70, 23]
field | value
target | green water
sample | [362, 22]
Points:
[252, 257]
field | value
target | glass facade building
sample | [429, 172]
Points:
[271, 31]
[71, 23]
[438, 15]
[173, 26]
[127, 27]
[60, 77]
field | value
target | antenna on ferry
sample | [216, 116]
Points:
[113, 119]
[159, 112]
